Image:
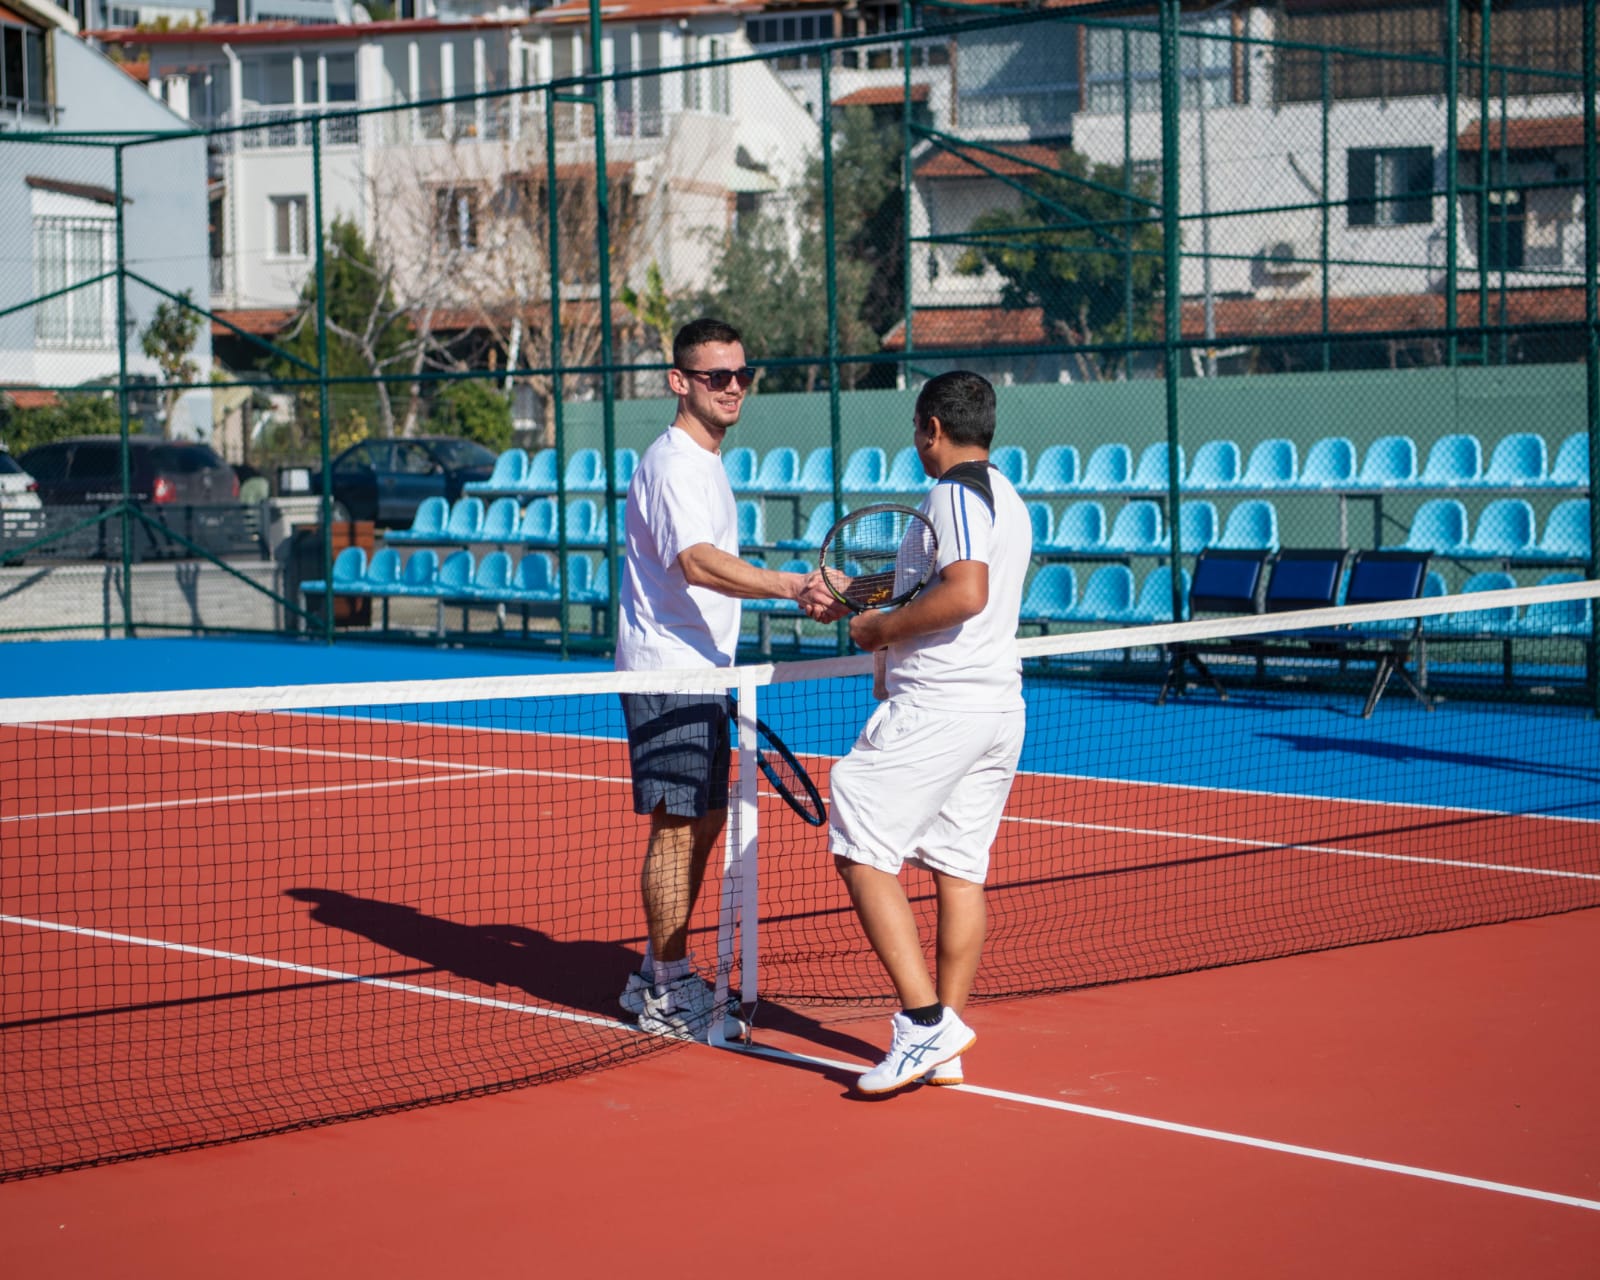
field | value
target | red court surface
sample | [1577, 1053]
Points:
[1423, 1107]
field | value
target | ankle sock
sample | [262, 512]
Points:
[927, 1016]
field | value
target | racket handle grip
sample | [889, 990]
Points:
[880, 674]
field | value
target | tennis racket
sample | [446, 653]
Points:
[792, 783]
[878, 557]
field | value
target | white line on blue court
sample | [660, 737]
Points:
[1213, 1135]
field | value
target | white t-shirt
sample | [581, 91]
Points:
[974, 665]
[679, 496]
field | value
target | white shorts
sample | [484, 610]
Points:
[925, 787]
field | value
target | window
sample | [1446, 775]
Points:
[1502, 246]
[22, 80]
[707, 88]
[1413, 29]
[121, 18]
[290, 237]
[1388, 188]
[1204, 65]
[455, 218]
[68, 251]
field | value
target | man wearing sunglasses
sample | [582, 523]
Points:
[682, 582]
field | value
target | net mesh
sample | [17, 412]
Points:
[233, 912]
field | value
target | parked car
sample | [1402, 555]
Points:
[387, 480]
[88, 469]
[19, 491]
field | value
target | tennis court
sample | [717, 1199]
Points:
[220, 922]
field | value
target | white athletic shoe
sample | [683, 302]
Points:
[632, 997]
[683, 1010]
[946, 1073]
[914, 1051]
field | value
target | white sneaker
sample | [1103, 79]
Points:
[632, 997]
[946, 1073]
[914, 1051]
[684, 1009]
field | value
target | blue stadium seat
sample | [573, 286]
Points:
[491, 579]
[510, 470]
[1557, 617]
[780, 606]
[427, 525]
[538, 522]
[599, 588]
[1330, 464]
[466, 521]
[1252, 526]
[780, 471]
[1215, 466]
[1566, 532]
[1274, 464]
[1011, 460]
[1109, 469]
[906, 474]
[1440, 526]
[1082, 527]
[627, 462]
[1197, 525]
[420, 575]
[740, 464]
[821, 520]
[1454, 460]
[579, 577]
[349, 567]
[1107, 596]
[1571, 467]
[1151, 473]
[383, 572]
[585, 472]
[1155, 596]
[455, 576]
[1050, 596]
[583, 523]
[535, 578]
[501, 521]
[1390, 460]
[1137, 530]
[864, 471]
[1055, 471]
[752, 522]
[1043, 523]
[817, 474]
[1499, 621]
[542, 471]
[1517, 460]
[1504, 530]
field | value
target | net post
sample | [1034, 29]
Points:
[740, 858]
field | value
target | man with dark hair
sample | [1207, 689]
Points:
[928, 778]
[681, 585]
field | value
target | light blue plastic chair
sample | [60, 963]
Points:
[1390, 461]
[752, 522]
[501, 521]
[1107, 596]
[740, 465]
[383, 572]
[1571, 467]
[455, 577]
[1050, 596]
[510, 470]
[1566, 532]
[1556, 617]
[1330, 464]
[349, 567]
[1151, 473]
[1155, 596]
[1251, 526]
[585, 473]
[1499, 621]
[1453, 461]
[1440, 526]
[1215, 466]
[780, 471]
[864, 471]
[1054, 471]
[542, 472]
[420, 574]
[779, 606]
[535, 578]
[538, 524]
[822, 519]
[1504, 531]
[1082, 527]
[817, 474]
[906, 474]
[1517, 460]
[583, 523]
[1137, 531]
[466, 521]
[1011, 461]
[1197, 525]
[1274, 464]
[1043, 520]
[427, 525]
[626, 462]
[491, 579]
[1109, 469]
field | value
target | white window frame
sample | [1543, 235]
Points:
[298, 229]
[83, 318]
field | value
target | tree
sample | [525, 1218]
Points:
[652, 309]
[73, 414]
[1069, 251]
[474, 410]
[168, 340]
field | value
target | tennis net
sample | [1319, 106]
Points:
[232, 912]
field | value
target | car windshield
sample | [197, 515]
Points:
[8, 465]
[463, 453]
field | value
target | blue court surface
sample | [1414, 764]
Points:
[1508, 758]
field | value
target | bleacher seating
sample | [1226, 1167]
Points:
[1155, 596]
[1215, 466]
[1054, 472]
[1330, 464]
[1151, 473]
[1389, 461]
[1081, 528]
[1570, 470]
[817, 474]
[1440, 526]
[741, 465]
[1011, 460]
[1504, 531]
[1453, 461]
[427, 525]
[906, 474]
[822, 519]
[865, 471]
[1197, 525]
[1137, 530]
[1042, 518]
[510, 471]
[1109, 469]
[466, 520]
[780, 470]
[1566, 533]
[1556, 617]
[1274, 464]
[1517, 460]
[1500, 620]
[1252, 525]
[1050, 596]
[501, 521]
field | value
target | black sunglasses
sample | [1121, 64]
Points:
[718, 379]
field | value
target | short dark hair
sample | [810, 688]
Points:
[697, 333]
[964, 402]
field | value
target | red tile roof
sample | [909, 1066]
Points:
[883, 96]
[263, 322]
[633, 10]
[1525, 135]
[31, 397]
[1020, 160]
[289, 32]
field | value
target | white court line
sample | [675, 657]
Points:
[1212, 1135]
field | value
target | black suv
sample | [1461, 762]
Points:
[88, 469]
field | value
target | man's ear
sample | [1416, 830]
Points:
[676, 382]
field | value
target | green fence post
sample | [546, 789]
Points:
[1591, 278]
[318, 236]
[1173, 306]
[126, 505]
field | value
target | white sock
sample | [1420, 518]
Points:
[667, 972]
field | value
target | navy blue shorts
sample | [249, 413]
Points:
[678, 746]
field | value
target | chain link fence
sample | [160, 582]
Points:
[1256, 275]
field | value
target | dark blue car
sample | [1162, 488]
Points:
[387, 480]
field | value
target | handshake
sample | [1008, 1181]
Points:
[816, 601]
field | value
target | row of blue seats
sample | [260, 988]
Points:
[505, 521]
[461, 577]
[1332, 462]
[1505, 531]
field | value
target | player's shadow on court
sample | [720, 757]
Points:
[581, 975]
